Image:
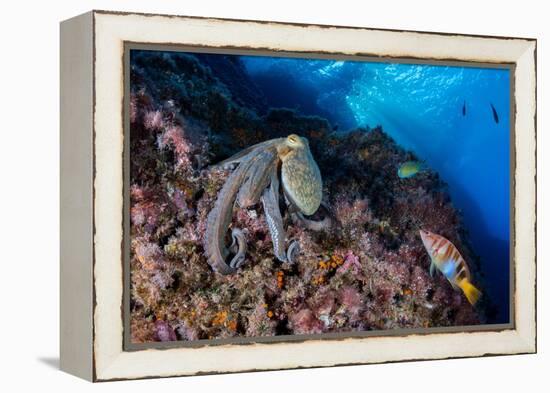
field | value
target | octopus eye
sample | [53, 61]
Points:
[293, 139]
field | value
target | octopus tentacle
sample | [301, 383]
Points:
[257, 179]
[270, 201]
[219, 219]
[249, 152]
[313, 225]
[292, 251]
[238, 247]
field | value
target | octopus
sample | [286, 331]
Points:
[257, 174]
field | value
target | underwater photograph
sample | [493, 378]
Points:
[287, 196]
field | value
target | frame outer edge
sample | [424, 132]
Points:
[526, 200]
[114, 363]
[76, 193]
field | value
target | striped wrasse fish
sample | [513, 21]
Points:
[446, 258]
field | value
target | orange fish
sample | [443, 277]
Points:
[446, 258]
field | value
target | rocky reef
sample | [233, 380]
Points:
[369, 271]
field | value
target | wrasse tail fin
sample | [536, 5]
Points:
[472, 293]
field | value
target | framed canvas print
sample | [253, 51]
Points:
[244, 195]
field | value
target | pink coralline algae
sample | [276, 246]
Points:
[351, 302]
[368, 271]
[153, 120]
[164, 332]
[173, 136]
[305, 322]
[351, 262]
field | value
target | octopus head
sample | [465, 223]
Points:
[291, 146]
[300, 174]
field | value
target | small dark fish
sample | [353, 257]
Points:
[495, 114]
[464, 109]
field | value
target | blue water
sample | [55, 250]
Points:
[421, 107]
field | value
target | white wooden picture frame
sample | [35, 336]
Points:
[92, 212]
